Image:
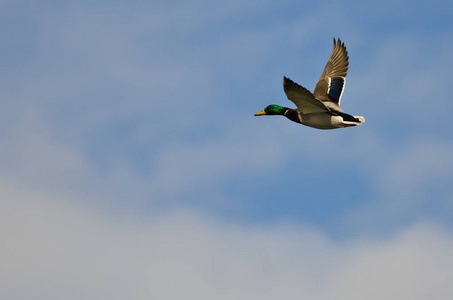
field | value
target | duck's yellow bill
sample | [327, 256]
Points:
[260, 113]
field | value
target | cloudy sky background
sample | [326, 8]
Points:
[131, 166]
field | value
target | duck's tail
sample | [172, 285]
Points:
[360, 119]
[352, 121]
[349, 120]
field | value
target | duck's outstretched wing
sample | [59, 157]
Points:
[331, 84]
[303, 98]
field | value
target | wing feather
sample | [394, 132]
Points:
[303, 98]
[330, 86]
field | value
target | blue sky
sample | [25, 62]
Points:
[132, 167]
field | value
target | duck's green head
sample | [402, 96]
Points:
[272, 110]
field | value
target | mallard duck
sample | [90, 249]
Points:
[322, 108]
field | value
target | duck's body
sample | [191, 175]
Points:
[321, 109]
[322, 120]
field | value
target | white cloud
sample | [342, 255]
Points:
[409, 266]
[55, 249]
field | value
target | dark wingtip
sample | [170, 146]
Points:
[337, 42]
[287, 83]
[286, 80]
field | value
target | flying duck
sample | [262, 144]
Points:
[320, 109]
